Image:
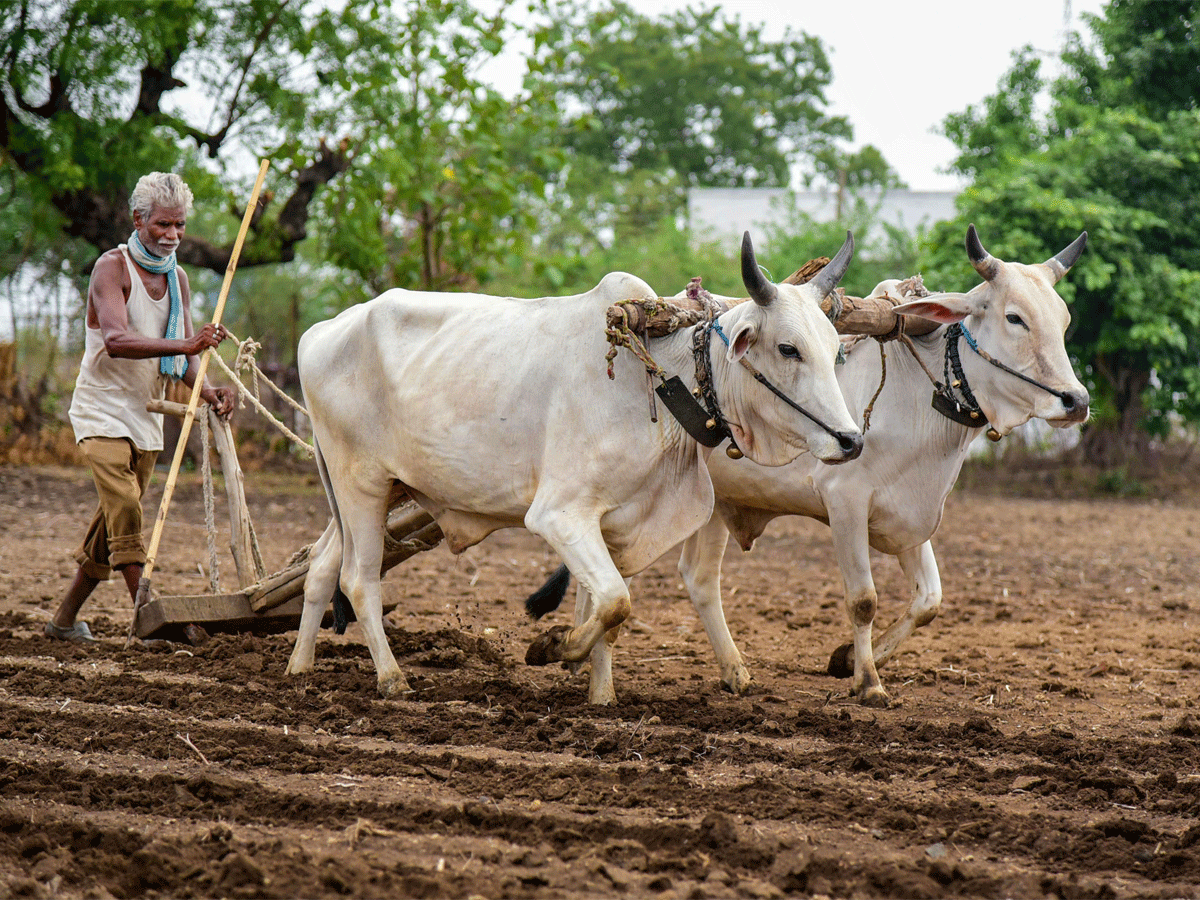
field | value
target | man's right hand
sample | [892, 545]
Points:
[208, 336]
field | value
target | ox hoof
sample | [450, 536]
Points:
[737, 682]
[394, 686]
[841, 662]
[602, 698]
[876, 698]
[547, 646]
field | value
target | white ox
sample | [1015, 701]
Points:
[891, 498]
[496, 412]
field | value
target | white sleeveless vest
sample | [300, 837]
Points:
[110, 394]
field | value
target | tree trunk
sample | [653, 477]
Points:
[1122, 442]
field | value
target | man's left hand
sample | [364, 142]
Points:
[220, 400]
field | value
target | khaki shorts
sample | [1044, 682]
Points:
[121, 472]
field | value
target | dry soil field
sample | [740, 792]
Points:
[1045, 740]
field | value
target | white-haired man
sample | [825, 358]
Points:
[139, 334]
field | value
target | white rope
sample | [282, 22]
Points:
[245, 394]
[214, 574]
[245, 359]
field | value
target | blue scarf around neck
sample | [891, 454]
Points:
[171, 366]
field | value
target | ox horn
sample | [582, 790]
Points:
[827, 279]
[1060, 264]
[761, 290]
[985, 264]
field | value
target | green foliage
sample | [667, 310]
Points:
[1003, 127]
[1119, 483]
[428, 194]
[1117, 155]
[1150, 56]
[668, 257]
[435, 195]
[857, 169]
[708, 98]
[663, 255]
[653, 106]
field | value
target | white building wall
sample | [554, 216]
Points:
[724, 213]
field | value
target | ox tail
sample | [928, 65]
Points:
[549, 596]
[343, 612]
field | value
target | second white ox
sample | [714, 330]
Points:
[497, 412]
[891, 498]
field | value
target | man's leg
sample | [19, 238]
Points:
[132, 574]
[81, 588]
[119, 483]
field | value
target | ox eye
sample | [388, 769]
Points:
[1014, 319]
[789, 351]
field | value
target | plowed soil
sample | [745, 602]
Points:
[1044, 743]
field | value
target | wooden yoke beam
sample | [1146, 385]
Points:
[859, 315]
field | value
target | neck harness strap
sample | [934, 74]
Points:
[964, 411]
[717, 427]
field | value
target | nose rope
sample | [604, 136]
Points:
[714, 325]
[1067, 400]
[967, 410]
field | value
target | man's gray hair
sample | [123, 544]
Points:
[162, 189]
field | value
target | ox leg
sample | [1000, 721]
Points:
[583, 609]
[588, 559]
[600, 684]
[363, 517]
[324, 563]
[862, 601]
[920, 565]
[700, 566]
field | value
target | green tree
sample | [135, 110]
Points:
[711, 99]
[881, 251]
[86, 108]
[1117, 157]
[653, 106]
[382, 99]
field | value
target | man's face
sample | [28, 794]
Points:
[162, 230]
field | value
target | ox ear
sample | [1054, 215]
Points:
[743, 338]
[944, 309]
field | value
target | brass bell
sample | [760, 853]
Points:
[993, 435]
[696, 392]
[956, 384]
[733, 452]
[974, 415]
[710, 424]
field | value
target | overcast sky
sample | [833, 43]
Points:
[900, 66]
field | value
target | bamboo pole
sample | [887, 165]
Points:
[143, 591]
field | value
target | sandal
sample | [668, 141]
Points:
[79, 633]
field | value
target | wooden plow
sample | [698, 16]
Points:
[264, 604]
[270, 604]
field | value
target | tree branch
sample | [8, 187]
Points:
[156, 81]
[105, 223]
[293, 218]
[259, 41]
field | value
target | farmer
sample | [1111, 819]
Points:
[139, 333]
